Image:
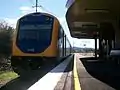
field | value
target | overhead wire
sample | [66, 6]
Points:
[41, 6]
[44, 9]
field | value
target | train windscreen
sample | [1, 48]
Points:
[34, 33]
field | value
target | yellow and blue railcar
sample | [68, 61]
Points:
[38, 39]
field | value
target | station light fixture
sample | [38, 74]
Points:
[97, 10]
[86, 24]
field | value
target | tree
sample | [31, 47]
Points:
[6, 33]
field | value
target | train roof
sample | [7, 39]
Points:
[48, 14]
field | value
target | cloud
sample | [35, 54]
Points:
[23, 10]
[26, 9]
[12, 21]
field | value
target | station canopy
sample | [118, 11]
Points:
[84, 17]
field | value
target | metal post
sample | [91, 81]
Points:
[113, 45]
[100, 48]
[95, 47]
[65, 45]
[36, 5]
[107, 48]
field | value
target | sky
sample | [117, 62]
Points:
[11, 10]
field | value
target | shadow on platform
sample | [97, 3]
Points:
[103, 70]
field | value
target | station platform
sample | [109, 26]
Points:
[74, 73]
[83, 73]
[58, 78]
[93, 74]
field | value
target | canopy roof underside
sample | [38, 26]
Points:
[85, 16]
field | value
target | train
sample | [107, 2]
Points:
[39, 39]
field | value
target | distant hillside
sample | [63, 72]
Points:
[83, 50]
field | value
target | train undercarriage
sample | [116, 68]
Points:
[22, 65]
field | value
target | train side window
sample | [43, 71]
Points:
[60, 33]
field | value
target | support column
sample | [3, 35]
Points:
[100, 48]
[113, 44]
[95, 47]
[107, 49]
[65, 45]
[117, 34]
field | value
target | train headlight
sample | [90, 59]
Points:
[47, 18]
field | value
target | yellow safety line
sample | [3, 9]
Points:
[76, 79]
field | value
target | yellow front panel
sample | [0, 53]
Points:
[51, 51]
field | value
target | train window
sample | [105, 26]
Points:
[60, 32]
[37, 18]
[28, 35]
[34, 31]
[36, 27]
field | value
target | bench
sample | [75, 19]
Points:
[115, 55]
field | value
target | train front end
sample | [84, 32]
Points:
[35, 37]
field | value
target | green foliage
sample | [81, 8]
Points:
[7, 76]
[6, 33]
[5, 38]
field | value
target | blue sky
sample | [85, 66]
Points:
[11, 10]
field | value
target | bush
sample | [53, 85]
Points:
[6, 33]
